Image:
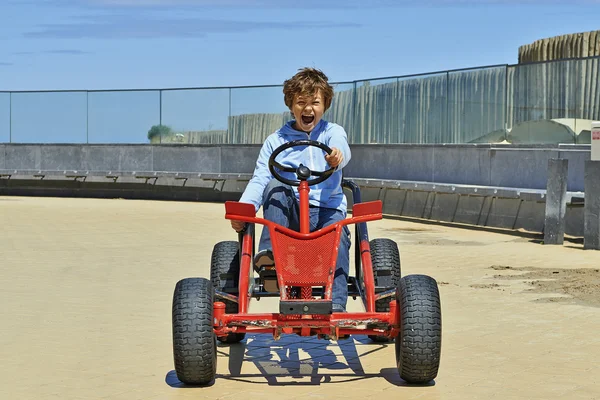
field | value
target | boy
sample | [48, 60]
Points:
[308, 95]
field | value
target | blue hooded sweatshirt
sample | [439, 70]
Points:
[327, 194]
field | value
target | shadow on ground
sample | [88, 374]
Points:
[298, 361]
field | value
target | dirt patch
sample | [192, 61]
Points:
[448, 242]
[407, 229]
[500, 267]
[486, 286]
[581, 286]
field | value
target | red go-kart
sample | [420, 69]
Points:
[406, 309]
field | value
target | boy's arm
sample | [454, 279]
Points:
[253, 194]
[339, 140]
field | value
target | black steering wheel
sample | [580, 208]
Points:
[302, 171]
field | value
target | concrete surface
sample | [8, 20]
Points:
[469, 164]
[520, 168]
[556, 201]
[87, 286]
[592, 206]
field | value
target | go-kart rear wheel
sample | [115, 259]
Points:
[385, 258]
[225, 275]
[418, 345]
[194, 340]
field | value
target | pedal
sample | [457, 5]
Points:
[268, 276]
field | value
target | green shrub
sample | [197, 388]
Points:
[158, 131]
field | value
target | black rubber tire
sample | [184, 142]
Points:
[194, 340]
[225, 275]
[385, 258]
[419, 343]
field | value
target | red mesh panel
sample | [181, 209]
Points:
[304, 262]
[307, 292]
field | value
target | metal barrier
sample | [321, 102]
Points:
[499, 207]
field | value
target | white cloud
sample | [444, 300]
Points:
[139, 26]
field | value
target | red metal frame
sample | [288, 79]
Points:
[334, 324]
[245, 273]
[303, 190]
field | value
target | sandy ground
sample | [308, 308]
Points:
[86, 299]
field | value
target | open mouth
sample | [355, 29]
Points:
[308, 119]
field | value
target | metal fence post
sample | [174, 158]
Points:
[10, 117]
[87, 116]
[354, 114]
[229, 120]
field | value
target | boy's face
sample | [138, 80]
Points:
[308, 111]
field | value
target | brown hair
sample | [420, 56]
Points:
[306, 83]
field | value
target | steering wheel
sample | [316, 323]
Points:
[302, 171]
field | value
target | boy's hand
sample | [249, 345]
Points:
[335, 158]
[238, 226]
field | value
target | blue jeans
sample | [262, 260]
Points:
[281, 206]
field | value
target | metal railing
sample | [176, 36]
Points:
[546, 102]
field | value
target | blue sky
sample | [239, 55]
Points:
[145, 44]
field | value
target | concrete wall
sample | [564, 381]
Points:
[200, 158]
[475, 164]
[485, 165]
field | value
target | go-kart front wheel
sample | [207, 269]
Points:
[194, 340]
[418, 345]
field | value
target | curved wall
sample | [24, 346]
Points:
[575, 45]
